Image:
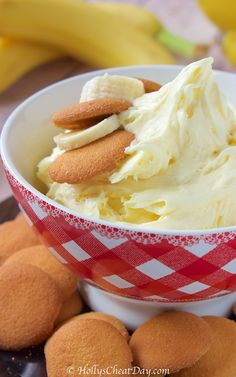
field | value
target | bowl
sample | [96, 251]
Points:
[152, 266]
[133, 312]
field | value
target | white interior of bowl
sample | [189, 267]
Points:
[27, 136]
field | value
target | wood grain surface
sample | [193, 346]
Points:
[8, 210]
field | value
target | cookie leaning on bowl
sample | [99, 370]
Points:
[16, 235]
[30, 304]
[171, 340]
[40, 257]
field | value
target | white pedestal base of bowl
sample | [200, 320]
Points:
[134, 312]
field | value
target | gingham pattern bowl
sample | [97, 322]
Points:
[160, 266]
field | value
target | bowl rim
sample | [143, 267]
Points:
[131, 228]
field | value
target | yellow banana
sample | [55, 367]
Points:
[18, 57]
[221, 12]
[76, 139]
[135, 15]
[80, 30]
[146, 21]
[229, 46]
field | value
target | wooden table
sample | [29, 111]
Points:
[8, 209]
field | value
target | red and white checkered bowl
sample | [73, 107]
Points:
[159, 266]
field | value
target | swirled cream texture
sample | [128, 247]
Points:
[180, 170]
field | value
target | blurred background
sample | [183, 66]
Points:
[43, 41]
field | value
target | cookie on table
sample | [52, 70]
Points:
[110, 319]
[30, 303]
[101, 156]
[172, 340]
[86, 342]
[15, 235]
[220, 360]
[40, 257]
[70, 308]
[86, 114]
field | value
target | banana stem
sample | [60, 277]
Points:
[180, 45]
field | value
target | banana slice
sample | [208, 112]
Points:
[112, 86]
[76, 139]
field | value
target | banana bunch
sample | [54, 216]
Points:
[101, 34]
[17, 57]
[223, 14]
